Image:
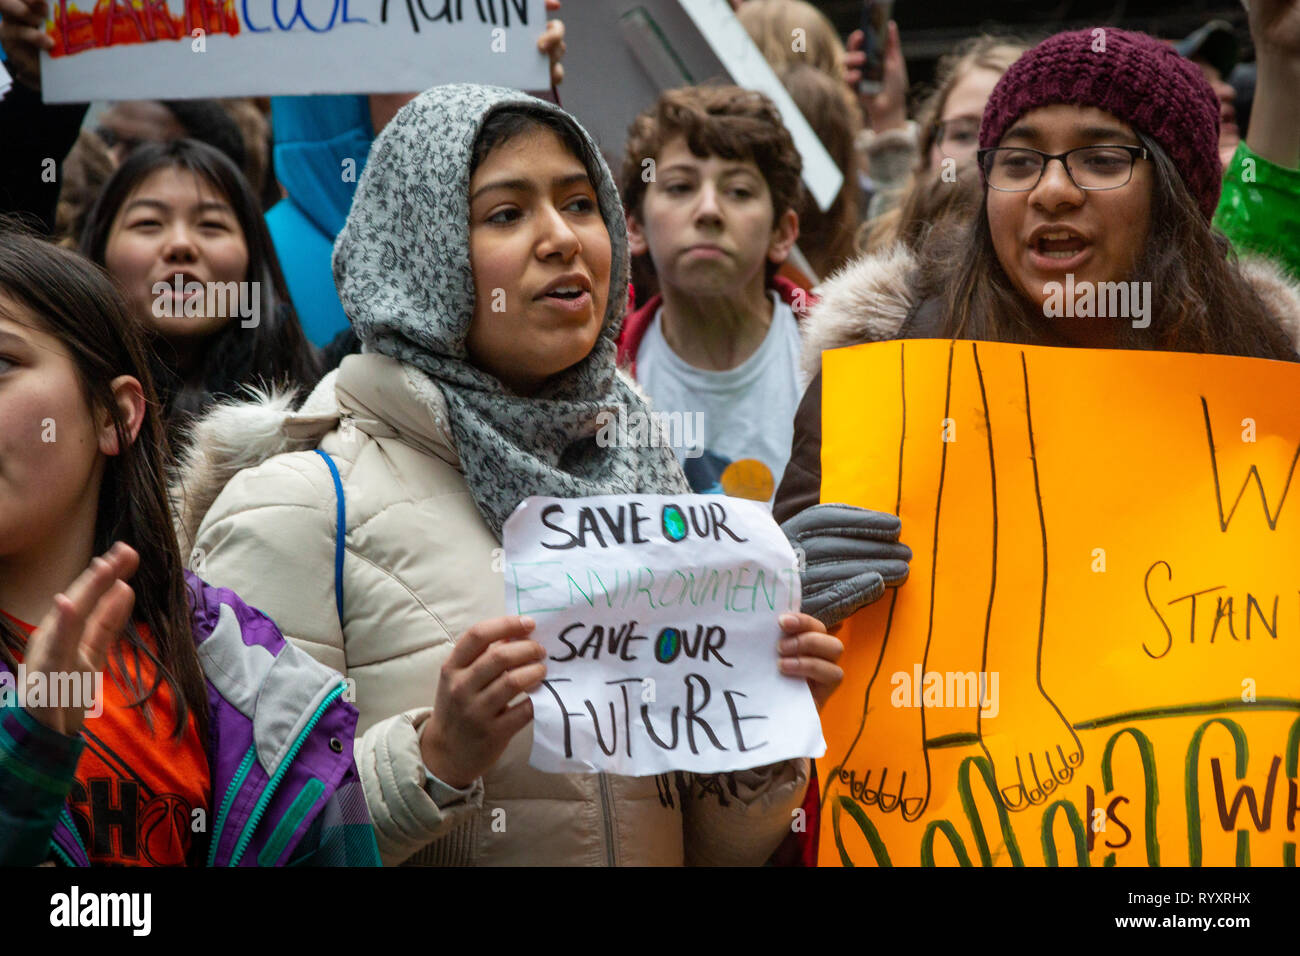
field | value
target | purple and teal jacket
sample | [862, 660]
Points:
[285, 789]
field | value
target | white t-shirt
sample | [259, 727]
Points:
[743, 415]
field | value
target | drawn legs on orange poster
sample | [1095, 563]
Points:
[973, 692]
[938, 681]
[897, 778]
[907, 707]
[1044, 751]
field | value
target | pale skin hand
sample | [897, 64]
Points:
[493, 662]
[808, 651]
[888, 108]
[472, 720]
[81, 626]
[551, 42]
[22, 34]
[1274, 120]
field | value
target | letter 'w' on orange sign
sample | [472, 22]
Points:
[1096, 657]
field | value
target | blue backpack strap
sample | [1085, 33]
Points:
[340, 531]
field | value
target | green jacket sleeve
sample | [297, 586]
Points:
[36, 770]
[1259, 209]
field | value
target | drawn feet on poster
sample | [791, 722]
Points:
[1034, 752]
[903, 783]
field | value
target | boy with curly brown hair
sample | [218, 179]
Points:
[711, 182]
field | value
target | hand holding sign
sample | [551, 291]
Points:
[473, 719]
[808, 651]
[384, 106]
[848, 556]
[22, 34]
[659, 615]
[551, 42]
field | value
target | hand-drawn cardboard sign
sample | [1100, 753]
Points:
[1096, 657]
[146, 49]
[659, 617]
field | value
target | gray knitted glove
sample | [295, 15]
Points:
[850, 555]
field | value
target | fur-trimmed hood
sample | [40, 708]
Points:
[375, 394]
[234, 435]
[866, 301]
[869, 299]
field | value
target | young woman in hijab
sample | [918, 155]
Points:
[484, 268]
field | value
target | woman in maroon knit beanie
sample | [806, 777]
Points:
[1100, 163]
[1100, 167]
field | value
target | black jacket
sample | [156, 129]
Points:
[31, 134]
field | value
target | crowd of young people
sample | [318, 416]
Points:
[237, 566]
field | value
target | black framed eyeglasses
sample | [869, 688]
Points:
[1017, 169]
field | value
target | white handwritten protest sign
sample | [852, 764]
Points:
[146, 49]
[659, 618]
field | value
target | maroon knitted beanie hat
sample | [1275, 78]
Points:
[1132, 76]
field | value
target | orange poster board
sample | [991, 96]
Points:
[1096, 657]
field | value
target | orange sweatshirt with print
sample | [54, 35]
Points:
[137, 788]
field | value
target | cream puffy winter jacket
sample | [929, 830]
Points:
[257, 513]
